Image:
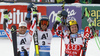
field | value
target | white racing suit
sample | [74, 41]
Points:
[44, 39]
[23, 40]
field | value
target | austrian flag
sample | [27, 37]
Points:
[39, 0]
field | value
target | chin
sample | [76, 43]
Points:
[22, 33]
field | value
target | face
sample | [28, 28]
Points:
[74, 29]
[44, 27]
[22, 30]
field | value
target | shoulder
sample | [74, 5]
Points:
[48, 30]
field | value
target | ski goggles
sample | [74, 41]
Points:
[44, 22]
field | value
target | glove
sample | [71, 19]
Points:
[18, 53]
[55, 25]
[25, 53]
[32, 7]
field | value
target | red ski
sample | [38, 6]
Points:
[86, 38]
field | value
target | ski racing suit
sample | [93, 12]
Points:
[73, 42]
[23, 40]
[44, 40]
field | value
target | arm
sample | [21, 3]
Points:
[34, 21]
[56, 28]
[28, 18]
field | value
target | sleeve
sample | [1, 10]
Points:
[28, 20]
[33, 27]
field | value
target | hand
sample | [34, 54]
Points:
[32, 7]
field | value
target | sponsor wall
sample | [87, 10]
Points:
[19, 12]
[94, 13]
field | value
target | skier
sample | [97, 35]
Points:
[73, 40]
[23, 39]
[44, 36]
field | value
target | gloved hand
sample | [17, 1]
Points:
[32, 7]
[18, 53]
[25, 53]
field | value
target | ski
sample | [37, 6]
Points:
[14, 39]
[33, 8]
[35, 37]
[86, 38]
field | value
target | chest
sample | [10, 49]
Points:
[44, 35]
[73, 40]
[23, 40]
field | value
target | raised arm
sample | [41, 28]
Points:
[32, 29]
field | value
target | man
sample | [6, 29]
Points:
[23, 39]
[44, 36]
[73, 40]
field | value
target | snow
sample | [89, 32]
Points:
[6, 48]
[92, 49]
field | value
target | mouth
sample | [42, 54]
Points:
[22, 31]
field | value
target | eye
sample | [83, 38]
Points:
[21, 27]
[25, 28]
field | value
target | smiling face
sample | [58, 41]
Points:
[74, 29]
[22, 30]
[43, 27]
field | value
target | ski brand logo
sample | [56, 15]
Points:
[12, 29]
[86, 32]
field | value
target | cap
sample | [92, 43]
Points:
[22, 24]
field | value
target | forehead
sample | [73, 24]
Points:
[73, 25]
[23, 26]
[43, 25]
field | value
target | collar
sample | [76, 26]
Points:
[21, 35]
[74, 35]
